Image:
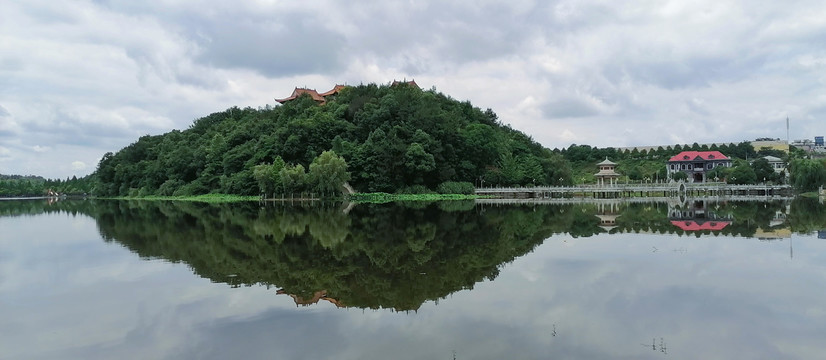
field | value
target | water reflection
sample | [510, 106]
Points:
[599, 280]
[390, 256]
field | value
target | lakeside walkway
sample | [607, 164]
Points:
[666, 190]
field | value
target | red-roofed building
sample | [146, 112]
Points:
[696, 164]
[336, 89]
[319, 98]
[301, 91]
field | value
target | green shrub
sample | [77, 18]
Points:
[415, 189]
[454, 187]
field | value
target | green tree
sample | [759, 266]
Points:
[328, 173]
[763, 171]
[807, 174]
[418, 163]
[293, 178]
[742, 174]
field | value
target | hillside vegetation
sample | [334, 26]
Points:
[390, 138]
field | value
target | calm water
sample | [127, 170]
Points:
[163, 280]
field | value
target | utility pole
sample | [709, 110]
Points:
[788, 142]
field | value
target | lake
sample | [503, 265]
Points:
[97, 279]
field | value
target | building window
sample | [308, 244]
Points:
[708, 166]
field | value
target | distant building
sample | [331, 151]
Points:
[776, 163]
[695, 164]
[405, 82]
[761, 144]
[805, 145]
[819, 141]
[606, 173]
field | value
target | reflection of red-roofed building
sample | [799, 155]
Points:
[696, 164]
[318, 295]
[691, 225]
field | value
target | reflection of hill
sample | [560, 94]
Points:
[376, 257]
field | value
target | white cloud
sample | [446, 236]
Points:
[78, 165]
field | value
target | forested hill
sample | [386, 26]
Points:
[392, 138]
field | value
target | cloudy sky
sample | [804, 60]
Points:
[80, 78]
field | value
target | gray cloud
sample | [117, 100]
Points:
[291, 44]
[569, 107]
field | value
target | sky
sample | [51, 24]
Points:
[82, 78]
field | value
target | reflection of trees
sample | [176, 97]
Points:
[377, 256]
[807, 215]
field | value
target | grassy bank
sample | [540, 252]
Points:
[207, 198]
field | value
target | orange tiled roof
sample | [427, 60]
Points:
[334, 91]
[300, 91]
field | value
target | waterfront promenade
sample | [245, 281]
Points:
[673, 189]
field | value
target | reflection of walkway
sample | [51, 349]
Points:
[630, 200]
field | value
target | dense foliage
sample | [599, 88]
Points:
[390, 138]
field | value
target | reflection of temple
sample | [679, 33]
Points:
[318, 295]
[696, 216]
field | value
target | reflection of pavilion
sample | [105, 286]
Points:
[318, 295]
[608, 214]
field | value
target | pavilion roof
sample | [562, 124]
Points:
[607, 162]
